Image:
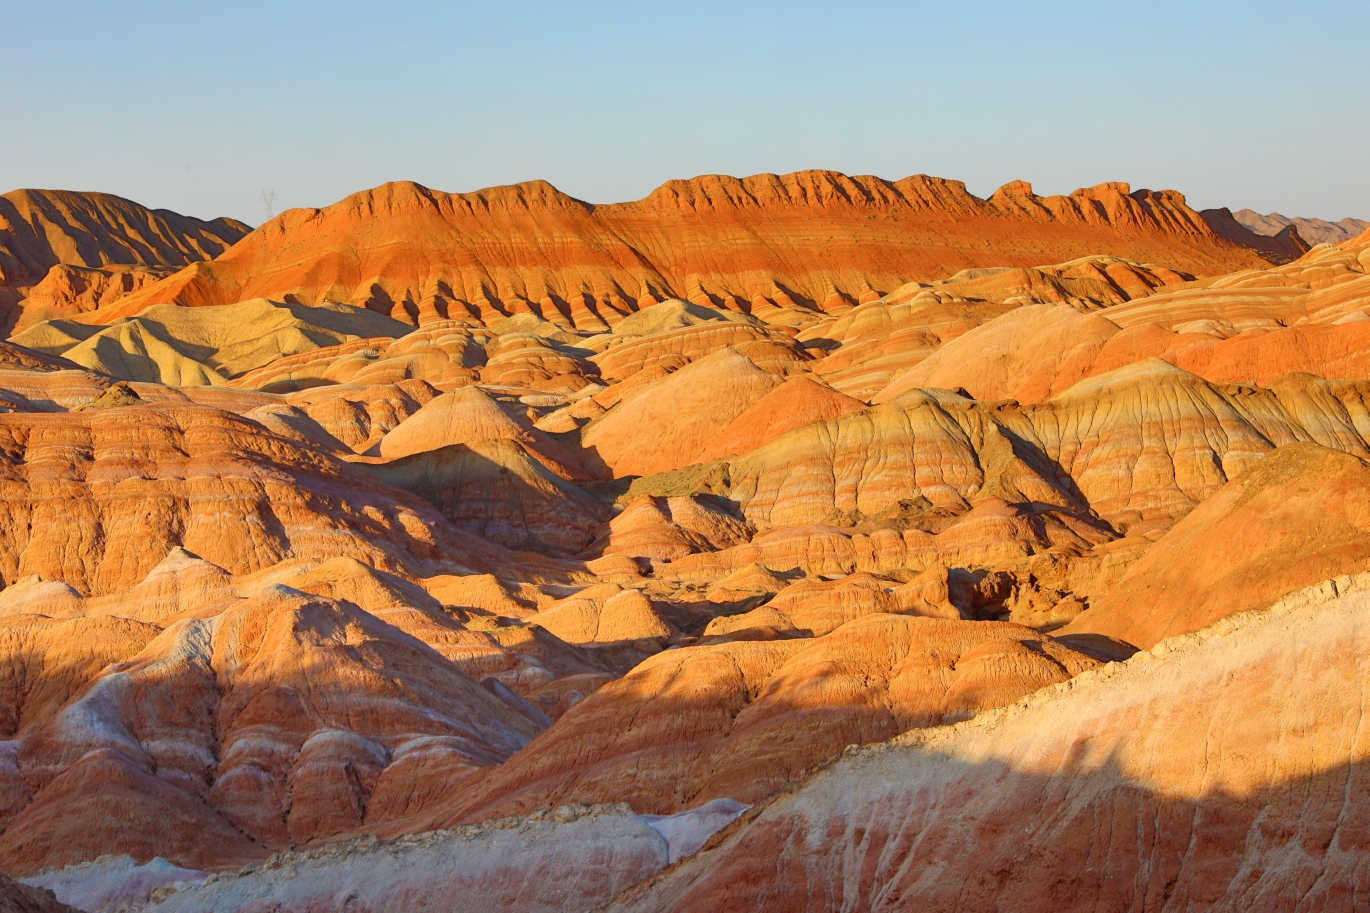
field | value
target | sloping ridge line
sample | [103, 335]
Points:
[1308, 598]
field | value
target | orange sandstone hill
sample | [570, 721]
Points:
[1225, 770]
[305, 608]
[814, 238]
[60, 248]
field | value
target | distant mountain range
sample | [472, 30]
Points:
[1314, 231]
[816, 239]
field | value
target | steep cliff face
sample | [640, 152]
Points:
[814, 238]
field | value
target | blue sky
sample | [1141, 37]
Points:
[199, 107]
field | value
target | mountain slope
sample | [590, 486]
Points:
[814, 238]
[1314, 231]
[43, 229]
[1225, 772]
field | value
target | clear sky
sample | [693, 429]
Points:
[199, 107]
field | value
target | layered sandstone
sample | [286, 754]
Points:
[570, 858]
[1226, 770]
[1298, 516]
[193, 346]
[288, 710]
[673, 421]
[817, 239]
[42, 231]
[739, 718]
[1308, 316]
[96, 499]
[501, 490]
[1099, 443]
[666, 503]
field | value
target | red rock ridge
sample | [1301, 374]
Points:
[42, 229]
[814, 238]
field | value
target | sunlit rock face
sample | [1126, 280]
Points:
[1231, 761]
[734, 547]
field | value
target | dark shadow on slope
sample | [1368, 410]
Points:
[496, 490]
[901, 832]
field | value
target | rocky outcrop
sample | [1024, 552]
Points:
[17, 897]
[605, 614]
[500, 490]
[96, 499]
[16, 356]
[445, 352]
[193, 346]
[360, 417]
[1226, 766]
[468, 416]
[1099, 443]
[571, 858]
[673, 348]
[741, 718]
[1252, 327]
[70, 290]
[664, 529]
[816, 239]
[1298, 516]
[671, 422]
[672, 520]
[798, 401]
[44, 229]
[288, 710]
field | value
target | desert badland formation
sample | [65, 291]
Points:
[787, 543]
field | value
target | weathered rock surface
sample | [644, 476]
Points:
[192, 346]
[663, 529]
[1299, 516]
[466, 416]
[671, 422]
[616, 523]
[102, 238]
[604, 614]
[257, 725]
[573, 858]
[738, 719]
[112, 884]
[1229, 768]
[361, 416]
[97, 499]
[818, 239]
[498, 489]
[17, 897]
[674, 347]
[1251, 327]
[880, 340]
[16, 356]
[798, 401]
[1143, 443]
